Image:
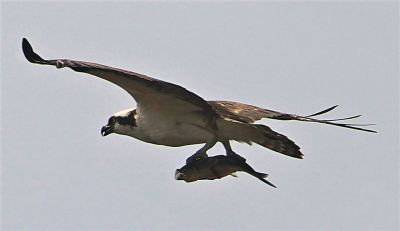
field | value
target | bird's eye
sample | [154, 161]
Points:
[111, 120]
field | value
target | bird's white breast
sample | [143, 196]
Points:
[185, 129]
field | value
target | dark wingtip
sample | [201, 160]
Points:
[30, 55]
[323, 111]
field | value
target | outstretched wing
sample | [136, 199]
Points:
[249, 114]
[152, 95]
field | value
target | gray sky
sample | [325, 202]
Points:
[58, 173]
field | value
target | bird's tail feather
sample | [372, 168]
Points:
[260, 134]
[277, 142]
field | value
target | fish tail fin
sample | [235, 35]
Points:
[261, 176]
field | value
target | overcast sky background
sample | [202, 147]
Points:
[58, 173]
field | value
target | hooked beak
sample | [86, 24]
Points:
[105, 130]
[179, 175]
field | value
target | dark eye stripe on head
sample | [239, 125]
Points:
[127, 120]
[111, 120]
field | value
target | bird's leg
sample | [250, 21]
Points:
[202, 153]
[230, 152]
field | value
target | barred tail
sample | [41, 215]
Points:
[277, 142]
[260, 134]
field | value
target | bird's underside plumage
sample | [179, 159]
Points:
[168, 114]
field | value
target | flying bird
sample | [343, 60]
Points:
[168, 114]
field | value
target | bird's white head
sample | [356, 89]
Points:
[123, 123]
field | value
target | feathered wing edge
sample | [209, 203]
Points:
[310, 118]
[249, 114]
[144, 89]
[32, 57]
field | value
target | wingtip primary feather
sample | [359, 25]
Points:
[322, 112]
[331, 121]
[30, 55]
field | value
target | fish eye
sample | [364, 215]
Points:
[111, 120]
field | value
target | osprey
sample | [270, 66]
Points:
[168, 114]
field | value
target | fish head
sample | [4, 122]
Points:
[187, 173]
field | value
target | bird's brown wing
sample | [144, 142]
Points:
[152, 95]
[249, 114]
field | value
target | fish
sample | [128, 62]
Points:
[217, 167]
